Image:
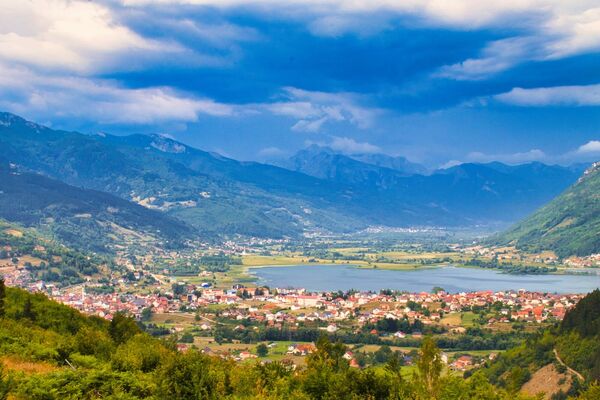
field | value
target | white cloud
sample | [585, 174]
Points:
[313, 109]
[310, 126]
[587, 152]
[217, 34]
[556, 29]
[496, 57]
[45, 96]
[78, 36]
[350, 146]
[295, 109]
[271, 152]
[50, 51]
[86, 37]
[552, 28]
[585, 95]
[513, 158]
[470, 13]
[591, 147]
[450, 164]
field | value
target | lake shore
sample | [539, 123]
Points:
[333, 277]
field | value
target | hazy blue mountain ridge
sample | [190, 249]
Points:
[319, 189]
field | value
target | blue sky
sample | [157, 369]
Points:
[440, 82]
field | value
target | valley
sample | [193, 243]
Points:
[205, 255]
[299, 200]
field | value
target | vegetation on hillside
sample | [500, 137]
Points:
[568, 225]
[576, 341]
[71, 356]
[45, 259]
[579, 341]
[86, 219]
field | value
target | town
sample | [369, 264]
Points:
[204, 297]
[286, 322]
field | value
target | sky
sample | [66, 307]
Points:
[438, 81]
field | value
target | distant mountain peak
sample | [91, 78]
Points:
[397, 163]
[167, 145]
[9, 120]
[318, 154]
[316, 149]
[5, 115]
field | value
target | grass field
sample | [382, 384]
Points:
[282, 261]
[180, 320]
[259, 261]
[454, 319]
[14, 363]
[13, 232]
[276, 353]
[468, 319]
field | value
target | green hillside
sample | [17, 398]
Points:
[573, 348]
[82, 218]
[568, 225]
[213, 194]
[579, 342]
[50, 351]
[45, 259]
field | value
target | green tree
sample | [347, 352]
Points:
[187, 338]
[140, 353]
[193, 375]
[5, 384]
[429, 369]
[262, 350]
[517, 376]
[2, 297]
[324, 370]
[593, 393]
[92, 341]
[146, 314]
[178, 289]
[28, 312]
[122, 328]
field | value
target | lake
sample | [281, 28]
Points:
[452, 279]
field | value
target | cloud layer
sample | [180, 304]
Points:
[268, 74]
[588, 95]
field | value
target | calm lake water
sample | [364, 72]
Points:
[452, 279]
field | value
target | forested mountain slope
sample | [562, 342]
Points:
[571, 349]
[212, 193]
[43, 258]
[568, 225]
[83, 218]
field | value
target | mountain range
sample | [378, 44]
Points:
[317, 190]
[325, 163]
[469, 193]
